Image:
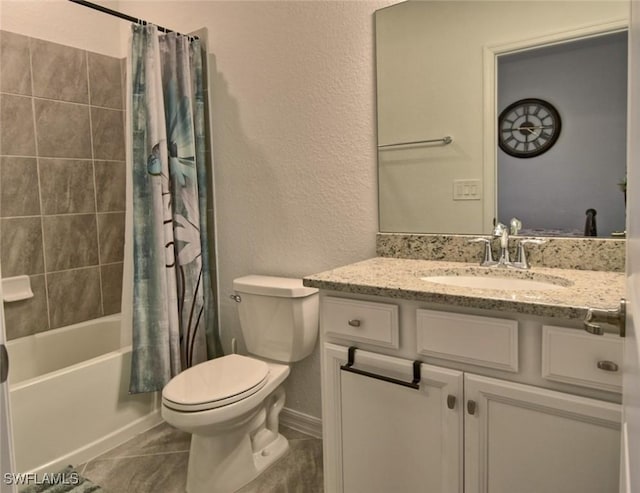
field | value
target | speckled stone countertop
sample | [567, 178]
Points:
[560, 253]
[400, 278]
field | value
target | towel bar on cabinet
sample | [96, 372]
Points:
[414, 384]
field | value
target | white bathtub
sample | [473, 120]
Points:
[69, 395]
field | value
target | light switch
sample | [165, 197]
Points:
[467, 190]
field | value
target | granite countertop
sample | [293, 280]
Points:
[400, 278]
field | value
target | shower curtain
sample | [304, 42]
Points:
[173, 311]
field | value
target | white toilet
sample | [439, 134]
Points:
[231, 404]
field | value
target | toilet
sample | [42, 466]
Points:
[231, 404]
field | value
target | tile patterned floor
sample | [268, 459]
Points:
[156, 462]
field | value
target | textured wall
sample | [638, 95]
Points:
[293, 120]
[61, 181]
[293, 132]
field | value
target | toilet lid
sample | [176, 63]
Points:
[216, 383]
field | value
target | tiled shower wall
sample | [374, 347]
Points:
[62, 181]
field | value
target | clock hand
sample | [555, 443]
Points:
[528, 128]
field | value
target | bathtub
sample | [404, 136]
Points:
[69, 395]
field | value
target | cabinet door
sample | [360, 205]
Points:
[523, 439]
[399, 439]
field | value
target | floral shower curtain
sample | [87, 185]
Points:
[173, 311]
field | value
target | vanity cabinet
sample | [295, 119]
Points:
[469, 427]
[521, 438]
[396, 438]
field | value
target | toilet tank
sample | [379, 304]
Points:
[278, 315]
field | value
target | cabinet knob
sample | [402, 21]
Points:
[471, 406]
[607, 365]
[354, 322]
[451, 401]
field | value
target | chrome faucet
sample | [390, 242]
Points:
[522, 262]
[502, 232]
[487, 260]
[504, 261]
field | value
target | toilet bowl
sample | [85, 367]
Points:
[231, 404]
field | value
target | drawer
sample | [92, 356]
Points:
[572, 356]
[362, 321]
[483, 341]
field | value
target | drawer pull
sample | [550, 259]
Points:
[354, 322]
[471, 406]
[607, 365]
[451, 401]
[414, 384]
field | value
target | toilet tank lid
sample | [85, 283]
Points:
[284, 287]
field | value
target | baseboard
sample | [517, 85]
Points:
[301, 422]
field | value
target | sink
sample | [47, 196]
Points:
[501, 279]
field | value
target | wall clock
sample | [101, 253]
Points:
[528, 128]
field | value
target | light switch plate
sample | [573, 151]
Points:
[467, 190]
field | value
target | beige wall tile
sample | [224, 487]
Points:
[74, 296]
[110, 185]
[111, 288]
[111, 237]
[59, 72]
[64, 176]
[105, 79]
[21, 246]
[66, 186]
[17, 136]
[15, 76]
[63, 129]
[71, 241]
[19, 187]
[108, 134]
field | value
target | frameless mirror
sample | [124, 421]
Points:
[449, 68]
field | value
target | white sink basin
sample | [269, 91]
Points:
[502, 279]
[502, 283]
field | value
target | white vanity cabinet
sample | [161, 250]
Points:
[386, 437]
[469, 427]
[524, 439]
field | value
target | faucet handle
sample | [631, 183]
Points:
[515, 225]
[532, 241]
[499, 229]
[488, 254]
[521, 258]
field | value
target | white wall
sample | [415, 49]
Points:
[293, 112]
[431, 85]
[293, 131]
[61, 21]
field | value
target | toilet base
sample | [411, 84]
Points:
[239, 467]
[270, 454]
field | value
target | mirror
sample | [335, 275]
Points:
[448, 68]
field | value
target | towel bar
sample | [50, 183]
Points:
[414, 384]
[447, 139]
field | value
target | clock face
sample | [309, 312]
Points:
[528, 128]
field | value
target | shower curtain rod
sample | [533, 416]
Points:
[126, 17]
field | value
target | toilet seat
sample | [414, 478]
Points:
[215, 383]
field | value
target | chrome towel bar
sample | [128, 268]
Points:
[414, 384]
[447, 139]
[616, 317]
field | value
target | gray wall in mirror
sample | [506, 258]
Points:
[433, 80]
[587, 83]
